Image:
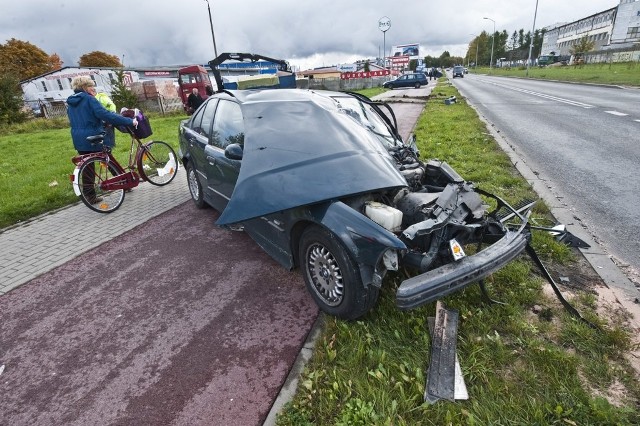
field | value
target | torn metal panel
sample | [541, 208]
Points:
[441, 380]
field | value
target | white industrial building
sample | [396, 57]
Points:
[614, 30]
[49, 92]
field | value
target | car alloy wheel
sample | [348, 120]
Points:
[194, 186]
[332, 277]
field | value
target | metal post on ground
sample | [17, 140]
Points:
[533, 31]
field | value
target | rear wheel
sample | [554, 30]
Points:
[158, 164]
[92, 173]
[194, 186]
[332, 277]
[417, 86]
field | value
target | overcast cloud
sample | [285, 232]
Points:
[155, 33]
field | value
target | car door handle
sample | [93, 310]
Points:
[211, 160]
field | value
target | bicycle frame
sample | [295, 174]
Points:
[124, 179]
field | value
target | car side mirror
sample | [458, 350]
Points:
[233, 151]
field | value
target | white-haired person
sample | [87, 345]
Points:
[87, 117]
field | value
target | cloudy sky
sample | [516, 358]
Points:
[307, 34]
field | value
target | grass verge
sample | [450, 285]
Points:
[619, 73]
[526, 362]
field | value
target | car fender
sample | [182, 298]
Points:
[365, 240]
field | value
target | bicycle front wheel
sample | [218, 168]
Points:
[158, 163]
[92, 173]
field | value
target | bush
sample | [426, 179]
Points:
[11, 105]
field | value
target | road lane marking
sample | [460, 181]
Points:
[543, 95]
[620, 114]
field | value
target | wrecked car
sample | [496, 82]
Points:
[323, 182]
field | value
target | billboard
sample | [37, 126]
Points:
[347, 67]
[411, 50]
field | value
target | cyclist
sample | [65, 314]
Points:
[86, 116]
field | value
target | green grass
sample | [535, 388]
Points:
[35, 163]
[520, 368]
[619, 73]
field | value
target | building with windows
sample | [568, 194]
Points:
[612, 29]
[49, 92]
[626, 31]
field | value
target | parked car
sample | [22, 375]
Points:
[322, 181]
[458, 71]
[408, 80]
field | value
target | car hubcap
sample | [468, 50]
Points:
[193, 185]
[325, 274]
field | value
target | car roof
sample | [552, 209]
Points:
[279, 95]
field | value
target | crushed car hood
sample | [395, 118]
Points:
[299, 150]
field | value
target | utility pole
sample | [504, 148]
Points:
[533, 31]
[213, 37]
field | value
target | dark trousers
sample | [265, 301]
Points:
[88, 179]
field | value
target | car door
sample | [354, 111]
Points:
[196, 134]
[222, 172]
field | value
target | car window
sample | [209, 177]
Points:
[228, 126]
[207, 117]
[196, 120]
[201, 121]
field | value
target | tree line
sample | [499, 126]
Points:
[21, 60]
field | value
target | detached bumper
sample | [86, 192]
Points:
[434, 284]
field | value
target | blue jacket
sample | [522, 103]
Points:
[86, 116]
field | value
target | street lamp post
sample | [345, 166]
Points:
[493, 39]
[533, 31]
[213, 37]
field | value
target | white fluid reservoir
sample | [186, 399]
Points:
[385, 216]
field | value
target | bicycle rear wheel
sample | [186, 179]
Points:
[158, 163]
[92, 173]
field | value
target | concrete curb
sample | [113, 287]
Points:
[290, 385]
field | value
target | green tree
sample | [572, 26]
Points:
[23, 59]
[11, 104]
[514, 41]
[581, 46]
[367, 67]
[99, 59]
[121, 95]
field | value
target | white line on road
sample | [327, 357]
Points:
[621, 114]
[543, 95]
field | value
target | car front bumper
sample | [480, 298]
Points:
[449, 278]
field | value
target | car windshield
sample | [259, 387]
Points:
[367, 117]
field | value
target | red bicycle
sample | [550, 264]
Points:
[101, 182]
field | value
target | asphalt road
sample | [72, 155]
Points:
[583, 140]
[174, 322]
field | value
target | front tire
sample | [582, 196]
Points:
[157, 163]
[332, 277]
[194, 186]
[417, 86]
